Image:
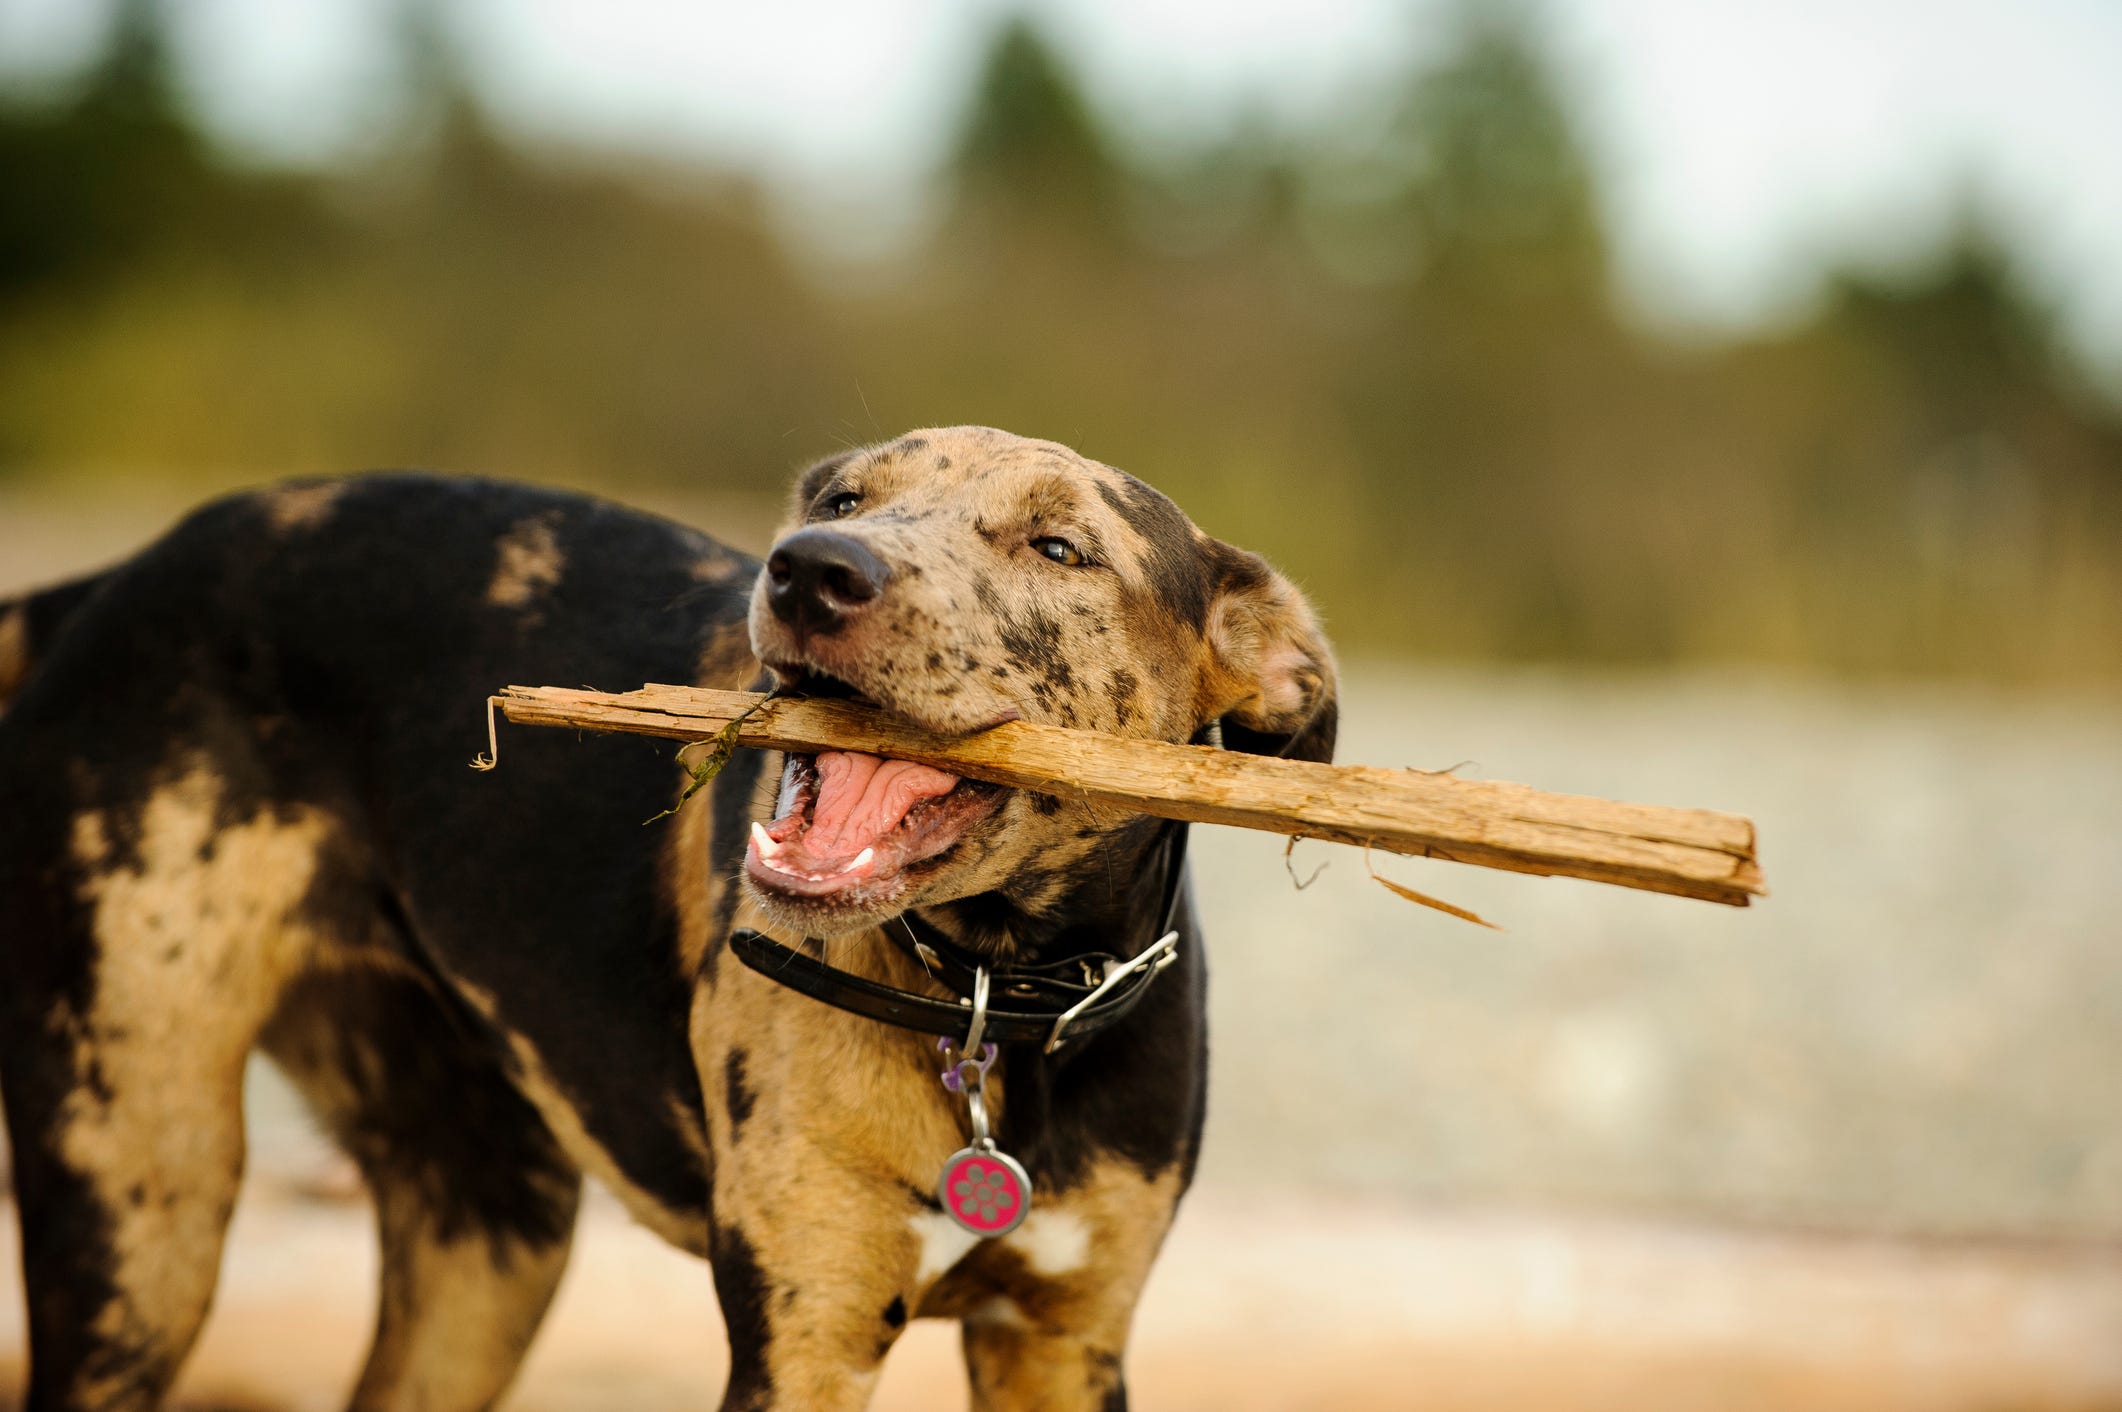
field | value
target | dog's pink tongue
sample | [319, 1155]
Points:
[861, 798]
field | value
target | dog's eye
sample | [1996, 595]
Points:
[839, 507]
[1060, 551]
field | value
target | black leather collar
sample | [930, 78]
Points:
[1027, 1002]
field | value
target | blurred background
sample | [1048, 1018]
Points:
[1669, 399]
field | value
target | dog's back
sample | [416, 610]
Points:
[30, 624]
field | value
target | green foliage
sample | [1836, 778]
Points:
[1501, 184]
[1391, 364]
[108, 176]
[1028, 128]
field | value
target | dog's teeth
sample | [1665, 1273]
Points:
[862, 858]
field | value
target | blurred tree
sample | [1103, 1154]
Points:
[134, 87]
[1953, 466]
[1481, 400]
[1029, 141]
[1391, 362]
[1961, 327]
[95, 180]
[1495, 168]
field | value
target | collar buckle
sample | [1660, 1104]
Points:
[1157, 955]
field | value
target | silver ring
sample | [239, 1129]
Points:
[979, 1025]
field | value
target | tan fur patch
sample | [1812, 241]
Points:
[716, 565]
[193, 949]
[528, 563]
[454, 1322]
[302, 507]
[14, 652]
[855, 1107]
[1268, 665]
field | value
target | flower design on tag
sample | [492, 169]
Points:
[985, 1192]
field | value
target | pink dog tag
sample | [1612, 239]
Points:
[985, 1190]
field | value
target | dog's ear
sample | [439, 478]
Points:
[808, 487]
[1271, 678]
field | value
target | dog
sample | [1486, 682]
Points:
[238, 816]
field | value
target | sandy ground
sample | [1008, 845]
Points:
[1264, 1302]
[1919, 1030]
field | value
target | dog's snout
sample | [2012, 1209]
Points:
[817, 577]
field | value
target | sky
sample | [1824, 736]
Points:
[1745, 145]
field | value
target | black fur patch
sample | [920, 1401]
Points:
[741, 1288]
[811, 484]
[69, 1256]
[1123, 684]
[739, 1093]
[1033, 643]
[432, 1104]
[1138, 1090]
[46, 612]
[730, 800]
[1177, 574]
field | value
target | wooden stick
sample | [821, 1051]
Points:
[1685, 852]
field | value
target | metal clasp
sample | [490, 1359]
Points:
[1157, 955]
[961, 1068]
[968, 1066]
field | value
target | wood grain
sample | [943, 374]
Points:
[1685, 852]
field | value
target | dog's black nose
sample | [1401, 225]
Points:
[816, 577]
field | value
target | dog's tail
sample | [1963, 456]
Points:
[31, 623]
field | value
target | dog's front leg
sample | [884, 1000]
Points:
[817, 1273]
[1014, 1367]
[828, 1131]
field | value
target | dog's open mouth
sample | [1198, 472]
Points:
[858, 828]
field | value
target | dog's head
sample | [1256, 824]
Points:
[966, 577]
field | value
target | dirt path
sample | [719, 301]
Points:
[1278, 1303]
